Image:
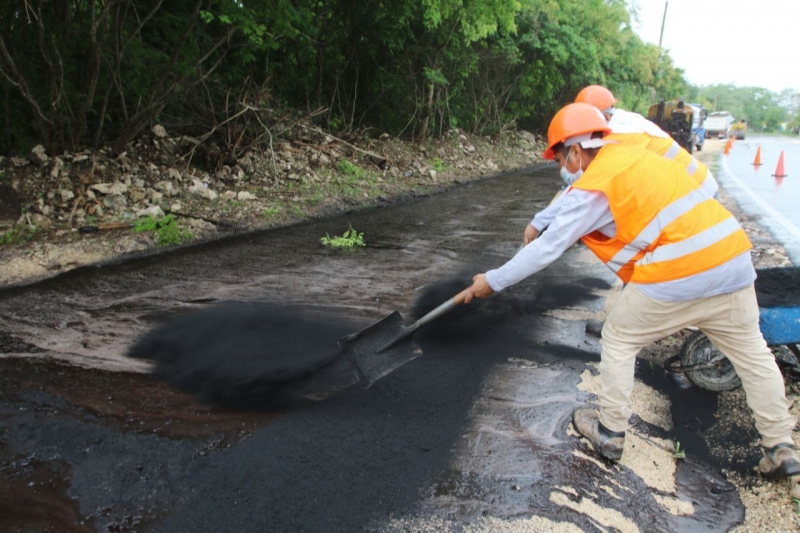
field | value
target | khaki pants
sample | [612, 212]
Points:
[729, 320]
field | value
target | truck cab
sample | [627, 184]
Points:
[684, 122]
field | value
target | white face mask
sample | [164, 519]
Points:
[571, 177]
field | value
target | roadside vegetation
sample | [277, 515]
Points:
[764, 111]
[76, 74]
[166, 229]
[18, 235]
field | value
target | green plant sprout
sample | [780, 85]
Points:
[678, 453]
[350, 239]
[797, 503]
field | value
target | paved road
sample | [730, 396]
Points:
[756, 188]
[477, 427]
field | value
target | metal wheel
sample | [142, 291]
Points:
[714, 371]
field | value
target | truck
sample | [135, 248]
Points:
[684, 122]
[739, 129]
[718, 124]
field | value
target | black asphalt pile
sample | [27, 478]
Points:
[437, 293]
[242, 355]
[778, 287]
[466, 321]
[503, 305]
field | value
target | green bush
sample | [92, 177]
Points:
[271, 212]
[167, 230]
[18, 235]
[349, 169]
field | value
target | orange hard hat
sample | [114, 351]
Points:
[596, 95]
[572, 120]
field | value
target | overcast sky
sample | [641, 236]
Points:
[744, 42]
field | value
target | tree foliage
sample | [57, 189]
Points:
[762, 109]
[88, 72]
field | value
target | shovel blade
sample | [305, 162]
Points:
[361, 349]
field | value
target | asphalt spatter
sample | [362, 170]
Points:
[131, 402]
[693, 409]
[571, 353]
[778, 287]
[517, 456]
[33, 496]
[242, 355]
[103, 450]
[120, 480]
[716, 503]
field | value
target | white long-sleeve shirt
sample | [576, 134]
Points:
[581, 212]
[629, 122]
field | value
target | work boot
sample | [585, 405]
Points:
[780, 461]
[594, 328]
[608, 443]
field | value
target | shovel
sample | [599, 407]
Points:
[387, 344]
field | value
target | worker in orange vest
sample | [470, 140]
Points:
[686, 262]
[630, 129]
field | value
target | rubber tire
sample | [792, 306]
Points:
[698, 349]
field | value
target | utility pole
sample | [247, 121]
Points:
[660, 50]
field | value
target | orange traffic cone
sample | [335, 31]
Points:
[728, 147]
[757, 161]
[779, 171]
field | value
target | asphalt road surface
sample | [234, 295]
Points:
[476, 427]
[759, 191]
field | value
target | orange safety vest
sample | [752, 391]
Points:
[668, 227]
[669, 149]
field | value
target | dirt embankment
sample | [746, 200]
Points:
[46, 198]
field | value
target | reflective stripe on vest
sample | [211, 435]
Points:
[710, 185]
[669, 149]
[651, 232]
[668, 227]
[695, 243]
[673, 151]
